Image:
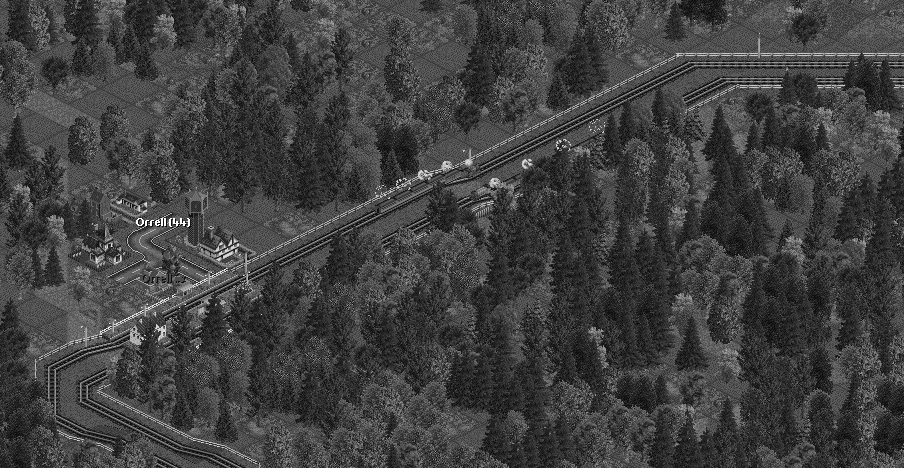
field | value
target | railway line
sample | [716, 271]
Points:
[499, 161]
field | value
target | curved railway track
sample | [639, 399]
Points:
[560, 126]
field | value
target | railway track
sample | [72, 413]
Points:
[686, 64]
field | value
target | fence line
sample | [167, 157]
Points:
[408, 182]
[171, 428]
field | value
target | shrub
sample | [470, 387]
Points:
[55, 70]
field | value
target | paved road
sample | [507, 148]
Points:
[683, 74]
[141, 242]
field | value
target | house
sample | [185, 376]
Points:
[218, 244]
[135, 335]
[132, 202]
[100, 207]
[102, 249]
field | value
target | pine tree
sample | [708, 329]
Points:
[87, 24]
[390, 173]
[598, 68]
[691, 227]
[817, 234]
[821, 369]
[182, 417]
[145, 65]
[149, 353]
[309, 192]
[184, 23]
[848, 226]
[691, 355]
[442, 209]
[125, 381]
[787, 231]
[16, 152]
[772, 129]
[674, 25]
[822, 422]
[753, 138]
[225, 430]
[610, 152]
[558, 98]
[81, 59]
[578, 66]
[129, 47]
[53, 272]
[687, 452]
[624, 271]
[38, 281]
[5, 189]
[788, 92]
[181, 332]
[628, 126]
[662, 452]
[241, 310]
[213, 327]
[18, 21]
[13, 343]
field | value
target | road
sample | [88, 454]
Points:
[141, 242]
[684, 74]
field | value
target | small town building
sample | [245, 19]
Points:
[100, 207]
[102, 249]
[135, 336]
[218, 244]
[133, 202]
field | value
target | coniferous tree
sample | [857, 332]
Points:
[184, 23]
[129, 46]
[53, 272]
[628, 126]
[788, 92]
[87, 24]
[241, 310]
[149, 354]
[19, 22]
[558, 98]
[213, 327]
[787, 231]
[772, 129]
[822, 422]
[691, 227]
[125, 380]
[753, 138]
[817, 234]
[390, 173]
[16, 152]
[479, 75]
[612, 147]
[181, 332]
[442, 209]
[687, 451]
[662, 452]
[674, 25]
[38, 280]
[182, 417]
[691, 355]
[145, 65]
[81, 59]
[848, 226]
[225, 430]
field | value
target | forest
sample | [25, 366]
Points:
[681, 320]
[588, 332]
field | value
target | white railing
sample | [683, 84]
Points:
[790, 54]
[173, 429]
[408, 182]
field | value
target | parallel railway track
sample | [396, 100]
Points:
[585, 113]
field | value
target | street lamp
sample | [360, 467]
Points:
[85, 328]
